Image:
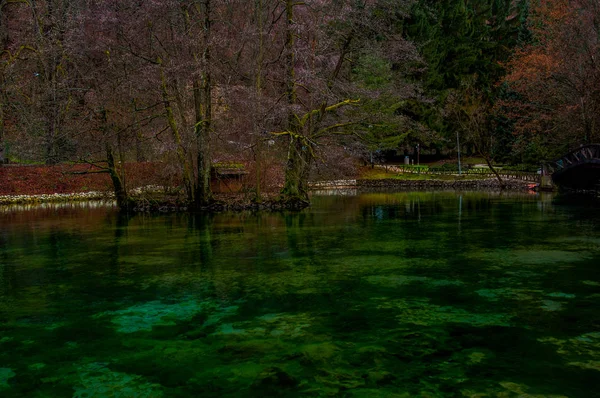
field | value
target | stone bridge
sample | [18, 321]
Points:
[578, 169]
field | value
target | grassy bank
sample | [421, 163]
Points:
[377, 173]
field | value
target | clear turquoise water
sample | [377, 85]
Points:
[378, 295]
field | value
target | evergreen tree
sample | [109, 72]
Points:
[463, 43]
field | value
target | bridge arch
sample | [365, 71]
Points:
[578, 169]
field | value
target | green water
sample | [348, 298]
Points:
[378, 295]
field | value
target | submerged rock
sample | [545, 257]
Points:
[521, 391]
[144, 316]
[283, 325]
[274, 378]
[5, 375]
[582, 351]
[421, 312]
[549, 305]
[319, 352]
[507, 389]
[561, 295]
[593, 365]
[400, 280]
[381, 378]
[508, 293]
[96, 380]
[37, 366]
[591, 283]
[529, 257]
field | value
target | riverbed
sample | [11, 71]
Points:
[424, 294]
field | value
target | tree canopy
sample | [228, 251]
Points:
[297, 84]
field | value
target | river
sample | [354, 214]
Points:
[374, 295]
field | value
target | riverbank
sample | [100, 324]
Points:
[383, 179]
[34, 185]
[457, 184]
[153, 201]
[145, 202]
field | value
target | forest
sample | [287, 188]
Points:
[295, 90]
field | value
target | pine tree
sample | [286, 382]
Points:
[463, 43]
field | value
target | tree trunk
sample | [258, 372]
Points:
[52, 40]
[488, 160]
[203, 112]
[140, 156]
[2, 161]
[4, 40]
[295, 188]
[118, 186]
[290, 59]
[500, 180]
[113, 169]
[203, 193]
[181, 156]
[257, 125]
[51, 155]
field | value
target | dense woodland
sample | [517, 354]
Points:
[307, 88]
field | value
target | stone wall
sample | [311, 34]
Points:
[492, 183]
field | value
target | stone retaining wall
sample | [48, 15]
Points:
[513, 185]
[53, 198]
[332, 184]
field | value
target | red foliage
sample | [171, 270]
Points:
[34, 180]
[558, 75]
